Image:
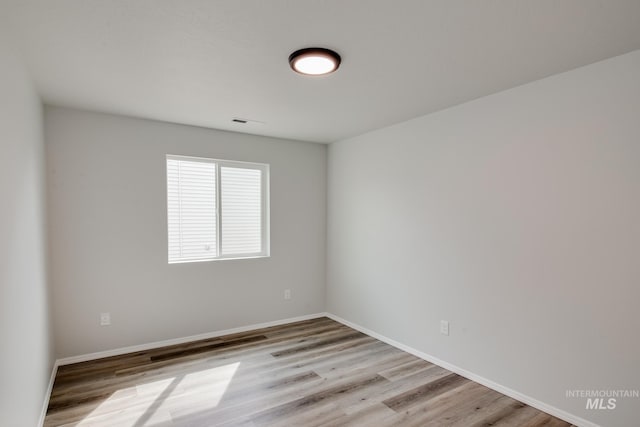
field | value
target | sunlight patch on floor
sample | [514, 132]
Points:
[150, 404]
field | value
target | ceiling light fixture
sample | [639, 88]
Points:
[314, 61]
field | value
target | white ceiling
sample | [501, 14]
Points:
[204, 62]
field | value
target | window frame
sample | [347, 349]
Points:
[265, 251]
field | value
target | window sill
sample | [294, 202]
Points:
[231, 258]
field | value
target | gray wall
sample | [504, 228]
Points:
[517, 218]
[107, 191]
[26, 357]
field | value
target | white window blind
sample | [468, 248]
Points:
[216, 209]
[241, 210]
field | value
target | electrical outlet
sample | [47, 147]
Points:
[105, 319]
[444, 327]
[287, 294]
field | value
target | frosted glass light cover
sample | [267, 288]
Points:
[314, 61]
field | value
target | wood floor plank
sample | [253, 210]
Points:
[424, 391]
[435, 406]
[326, 395]
[317, 344]
[377, 414]
[312, 373]
[473, 408]
[376, 395]
[316, 416]
[405, 370]
[205, 349]
[505, 409]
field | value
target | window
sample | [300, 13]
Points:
[216, 209]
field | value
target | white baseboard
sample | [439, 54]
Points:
[174, 341]
[552, 410]
[47, 394]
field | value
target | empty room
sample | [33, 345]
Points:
[320, 213]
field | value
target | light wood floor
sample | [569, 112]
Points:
[312, 373]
